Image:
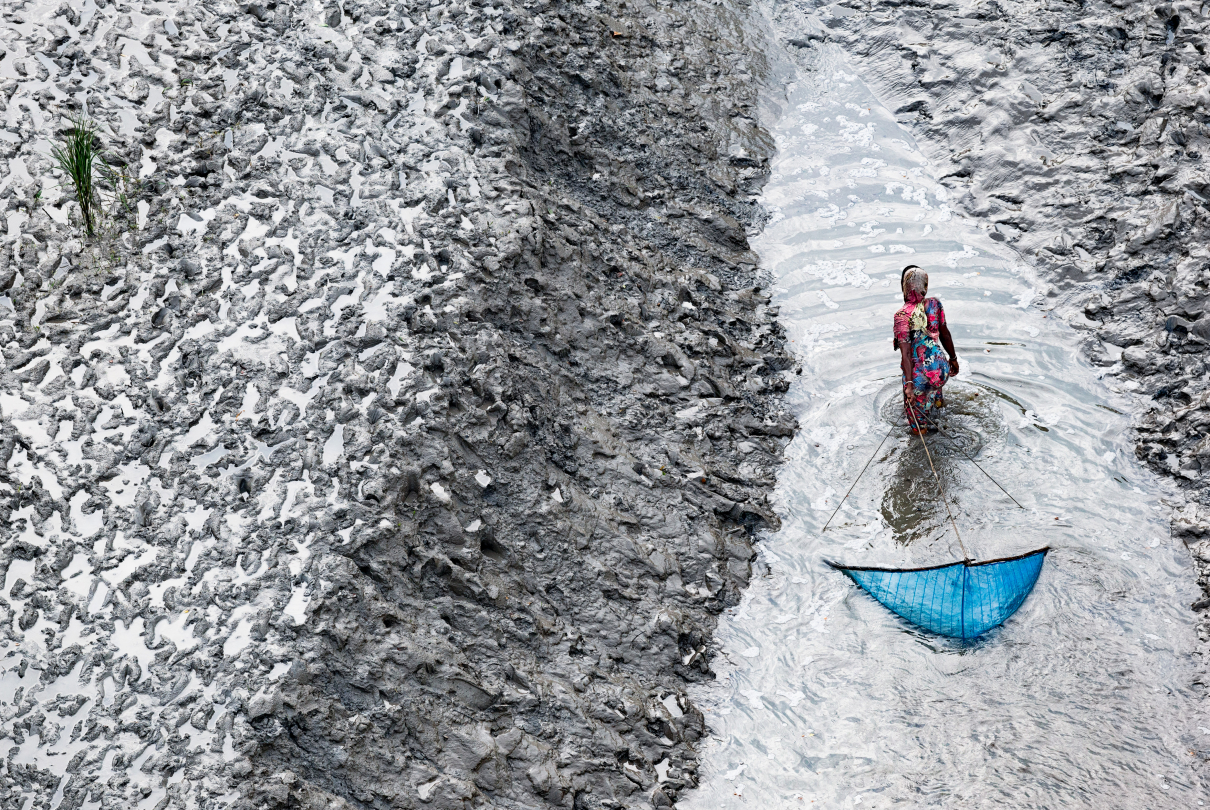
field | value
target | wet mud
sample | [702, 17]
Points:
[402, 435]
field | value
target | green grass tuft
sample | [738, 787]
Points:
[79, 157]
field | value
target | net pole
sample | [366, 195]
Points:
[941, 487]
[855, 480]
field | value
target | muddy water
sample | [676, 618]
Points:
[825, 699]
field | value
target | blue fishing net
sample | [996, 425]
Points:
[960, 600]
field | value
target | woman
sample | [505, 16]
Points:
[920, 333]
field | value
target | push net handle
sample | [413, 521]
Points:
[941, 487]
[855, 480]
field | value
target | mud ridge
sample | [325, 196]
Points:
[403, 433]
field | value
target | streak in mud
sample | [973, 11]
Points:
[1083, 699]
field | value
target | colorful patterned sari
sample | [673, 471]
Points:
[918, 325]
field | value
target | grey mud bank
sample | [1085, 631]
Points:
[400, 441]
[1077, 133]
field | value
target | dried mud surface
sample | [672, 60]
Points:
[401, 440]
[1078, 133]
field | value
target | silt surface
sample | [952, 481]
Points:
[400, 438]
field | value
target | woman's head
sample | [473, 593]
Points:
[915, 283]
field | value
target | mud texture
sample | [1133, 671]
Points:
[400, 438]
[1078, 133]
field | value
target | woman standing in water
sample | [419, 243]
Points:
[920, 334]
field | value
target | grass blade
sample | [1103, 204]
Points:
[76, 157]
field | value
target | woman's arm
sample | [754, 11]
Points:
[905, 364]
[948, 343]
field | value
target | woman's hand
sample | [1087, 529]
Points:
[953, 365]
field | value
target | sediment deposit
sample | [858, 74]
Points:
[405, 429]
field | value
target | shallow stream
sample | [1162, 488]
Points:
[825, 699]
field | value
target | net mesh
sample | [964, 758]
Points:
[960, 600]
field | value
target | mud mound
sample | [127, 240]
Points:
[399, 442]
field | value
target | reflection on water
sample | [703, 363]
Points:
[911, 505]
[1085, 698]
